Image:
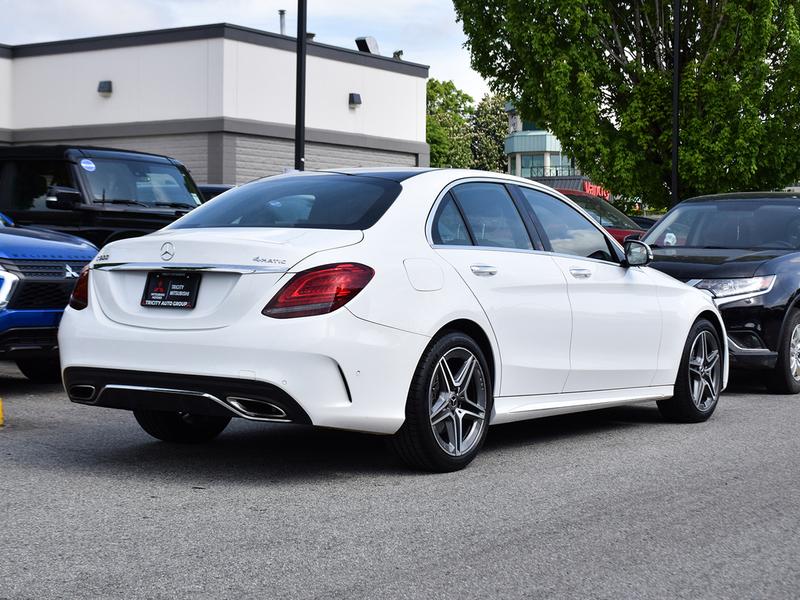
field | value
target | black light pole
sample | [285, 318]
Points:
[676, 87]
[300, 106]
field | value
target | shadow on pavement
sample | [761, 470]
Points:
[110, 440]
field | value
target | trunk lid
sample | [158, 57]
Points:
[239, 267]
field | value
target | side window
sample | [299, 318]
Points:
[448, 226]
[491, 215]
[24, 184]
[569, 232]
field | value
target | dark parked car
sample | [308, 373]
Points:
[613, 220]
[210, 191]
[98, 194]
[644, 222]
[745, 250]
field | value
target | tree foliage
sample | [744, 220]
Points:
[462, 135]
[598, 74]
[489, 132]
[448, 132]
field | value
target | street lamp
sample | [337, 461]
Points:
[300, 94]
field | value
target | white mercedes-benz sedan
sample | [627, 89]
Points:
[420, 304]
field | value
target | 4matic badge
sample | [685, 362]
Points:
[270, 261]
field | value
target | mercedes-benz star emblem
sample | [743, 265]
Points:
[167, 251]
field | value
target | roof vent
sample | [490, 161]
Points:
[368, 45]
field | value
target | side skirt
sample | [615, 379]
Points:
[508, 409]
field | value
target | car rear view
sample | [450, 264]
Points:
[232, 311]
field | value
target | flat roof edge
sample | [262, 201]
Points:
[212, 31]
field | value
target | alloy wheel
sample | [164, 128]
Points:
[794, 353]
[457, 398]
[705, 370]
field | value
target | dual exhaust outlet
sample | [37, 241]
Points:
[253, 409]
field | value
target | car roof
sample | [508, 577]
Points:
[63, 152]
[745, 196]
[396, 174]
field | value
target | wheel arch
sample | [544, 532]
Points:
[477, 333]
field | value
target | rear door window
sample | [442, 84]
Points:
[491, 215]
[449, 228]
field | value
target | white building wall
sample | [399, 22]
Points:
[150, 83]
[260, 85]
[210, 78]
[5, 93]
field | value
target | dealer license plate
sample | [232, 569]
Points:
[171, 290]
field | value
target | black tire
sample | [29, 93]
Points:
[419, 442]
[684, 407]
[781, 380]
[40, 370]
[182, 428]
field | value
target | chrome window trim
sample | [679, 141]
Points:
[220, 268]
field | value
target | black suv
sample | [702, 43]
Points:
[99, 194]
[744, 249]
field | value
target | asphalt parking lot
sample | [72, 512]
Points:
[607, 504]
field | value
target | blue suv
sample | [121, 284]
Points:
[38, 269]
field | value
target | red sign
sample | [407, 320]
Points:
[596, 190]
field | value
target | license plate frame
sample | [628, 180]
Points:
[174, 290]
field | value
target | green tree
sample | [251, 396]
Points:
[448, 129]
[489, 132]
[598, 74]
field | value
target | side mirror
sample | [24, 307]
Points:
[633, 236]
[7, 220]
[637, 254]
[63, 198]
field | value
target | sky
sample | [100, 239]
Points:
[426, 30]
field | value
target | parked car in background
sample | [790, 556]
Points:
[612, 219]
[98, 194]
[643, 222]
[744, 250]
[38, 270]
[209, 191]
[421, 304]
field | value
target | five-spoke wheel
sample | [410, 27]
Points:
[699, 380]
[449, 405]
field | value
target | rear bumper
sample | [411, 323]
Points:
[331, 370]
[216, 396]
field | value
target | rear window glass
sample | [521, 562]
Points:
[302, 201]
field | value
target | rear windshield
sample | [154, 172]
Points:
[603, 212]
[734, 224]
[302, 201]
[138, 182]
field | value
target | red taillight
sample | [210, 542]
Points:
[319, 291]
[80, 293]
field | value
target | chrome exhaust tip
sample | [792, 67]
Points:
[82, 392]
[254, 408]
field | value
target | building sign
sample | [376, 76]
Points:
[596, 190]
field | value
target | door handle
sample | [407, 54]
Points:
[483, 270]
[580, 273]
